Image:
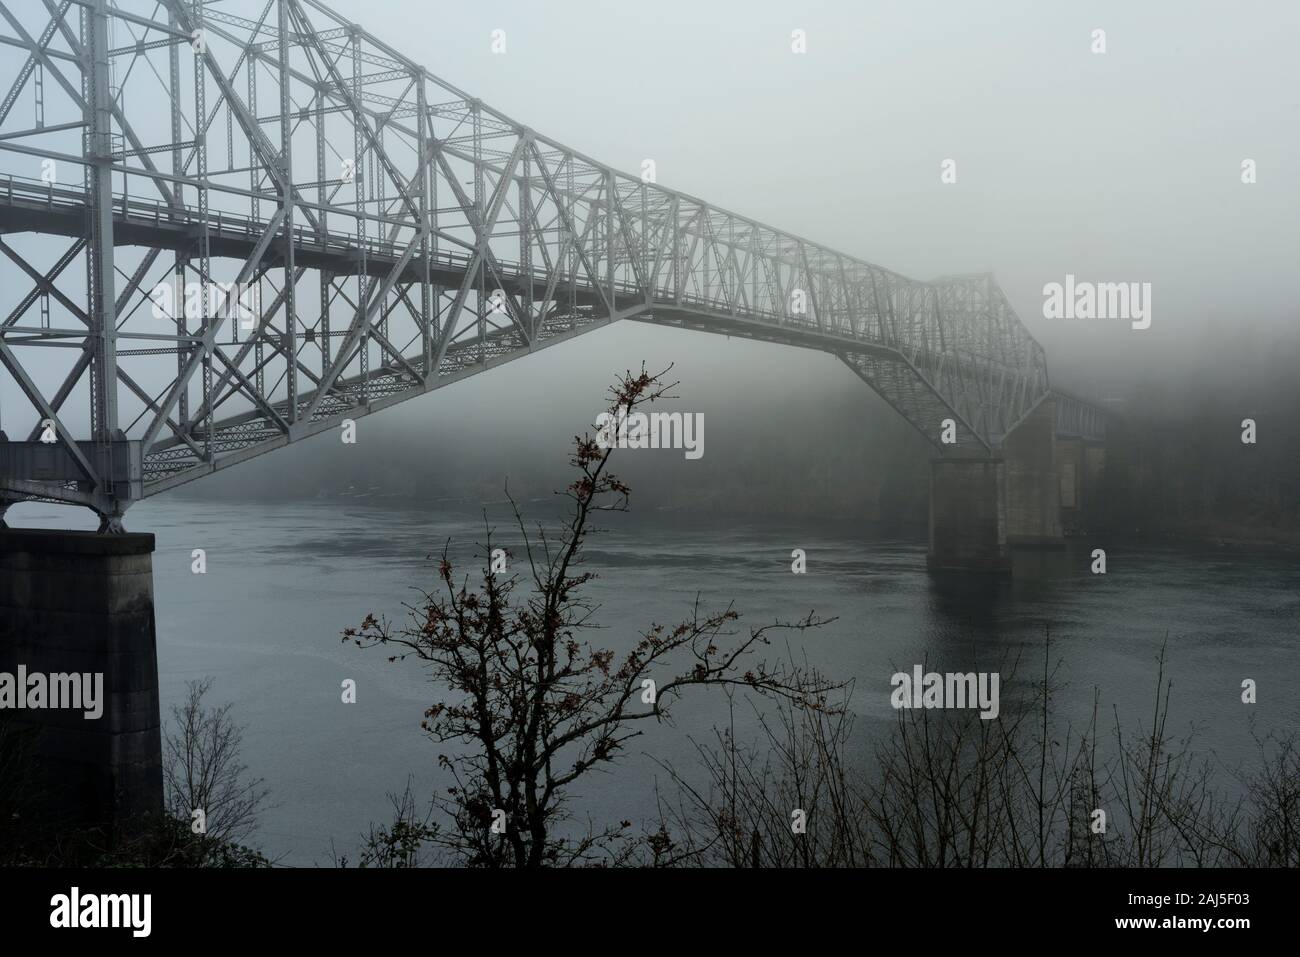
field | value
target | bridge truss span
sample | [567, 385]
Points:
[360, 232]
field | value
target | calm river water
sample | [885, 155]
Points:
[284, 579]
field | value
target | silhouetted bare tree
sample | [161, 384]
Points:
[536, 707]
[202, 769]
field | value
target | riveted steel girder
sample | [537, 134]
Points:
[338, 230]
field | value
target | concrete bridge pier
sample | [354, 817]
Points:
[981, 507]
[968, 522]
[1081, 463]
[77, 603]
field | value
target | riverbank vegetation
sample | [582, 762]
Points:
[201, 768]
[946, 788]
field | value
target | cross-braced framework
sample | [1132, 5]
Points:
[241, 223]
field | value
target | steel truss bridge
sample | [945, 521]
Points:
[237, 224]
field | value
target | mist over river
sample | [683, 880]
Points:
[284, 579]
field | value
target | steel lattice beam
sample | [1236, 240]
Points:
[444, 238]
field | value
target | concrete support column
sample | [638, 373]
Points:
[1070, 468]
[981, 508]
[1094, 468]
[968, 525]
[1032, 487]
[75, 603]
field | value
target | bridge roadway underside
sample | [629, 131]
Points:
[982, 503]
[237, 242]
[171, 461]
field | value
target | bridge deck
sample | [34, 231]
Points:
[27, 207]
[448, 239]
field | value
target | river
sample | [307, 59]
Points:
[284, 579]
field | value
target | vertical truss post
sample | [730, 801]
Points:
[526, 237]
[254, 183]
[178, 170]
[255, 204]
[102, 311]
[40, 96]
[610, 187]
[322, 231]
[480, 229]
[706, 289]
[425, 174]
[572, 238]
[678, 241]
[286, 203]
[648, 279]
[359, 185]
[204, 236]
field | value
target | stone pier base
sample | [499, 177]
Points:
[982, 507]
[1032, 488]
[968, 523]
[73, 603]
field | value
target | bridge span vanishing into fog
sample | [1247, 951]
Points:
[230, 225]
[233, 225]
